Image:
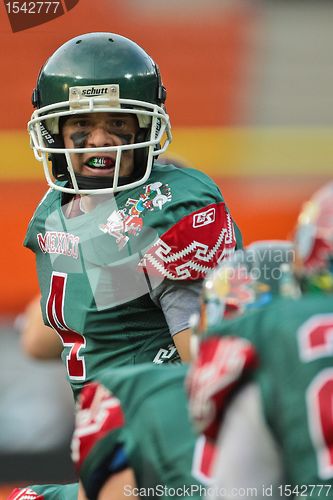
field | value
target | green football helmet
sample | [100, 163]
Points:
[92, 73]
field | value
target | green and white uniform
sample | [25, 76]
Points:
[279, 431]
[118, 280]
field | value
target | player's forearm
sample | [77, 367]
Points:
[182, 343]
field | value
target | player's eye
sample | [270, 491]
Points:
[82, 122]
[118, 123]
[78, 122]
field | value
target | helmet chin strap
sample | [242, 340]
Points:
[94, 182]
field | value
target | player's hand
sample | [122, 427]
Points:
[98, 413]
[222, 364]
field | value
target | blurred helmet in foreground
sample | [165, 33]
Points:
[249, 279]
[314, 240]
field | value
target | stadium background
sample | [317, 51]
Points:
[249, 93]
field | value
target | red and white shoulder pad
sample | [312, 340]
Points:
[24, 494]
[99, 413]
[221, 365]
[193, 246]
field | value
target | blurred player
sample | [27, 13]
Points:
[133, 436]
[122, 243]
[47, 492]
[276, 437]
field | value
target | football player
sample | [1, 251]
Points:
[122, 243]
[275, 435]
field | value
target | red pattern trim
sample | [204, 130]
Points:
[24, 494]
[221, 364]
[99, 413]
[193, 246]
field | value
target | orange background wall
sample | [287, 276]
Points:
[203, 56]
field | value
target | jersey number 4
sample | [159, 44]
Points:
[75, 363]
[316, 341]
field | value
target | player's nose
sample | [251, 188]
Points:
[99, 136]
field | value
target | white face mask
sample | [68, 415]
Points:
[44, 125]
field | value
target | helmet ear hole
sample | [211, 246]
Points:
[35, 98]
[59, 166]
[58, 160]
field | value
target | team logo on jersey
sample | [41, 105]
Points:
[204, 218]
[129, 220]
[59, 242]
[165, 355]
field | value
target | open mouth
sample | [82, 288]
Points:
[100, 165]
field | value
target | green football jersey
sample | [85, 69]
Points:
[46, 492]
[295, 374]
[98, 271]
[143, 423]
